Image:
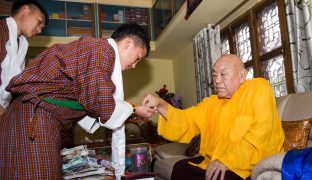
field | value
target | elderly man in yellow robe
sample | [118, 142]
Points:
[238, 126]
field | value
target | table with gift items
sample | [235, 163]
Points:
[85, 163]
[79, 162]
[91, 157]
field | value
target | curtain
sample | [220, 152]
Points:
[298, 15]
[207, 50]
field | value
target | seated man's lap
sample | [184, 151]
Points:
[184, 170]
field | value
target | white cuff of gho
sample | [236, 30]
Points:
[89, 124]
[121, 113]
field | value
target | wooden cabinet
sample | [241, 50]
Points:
[111, 17]
[72, 20]
[5, 8]
[69, 19]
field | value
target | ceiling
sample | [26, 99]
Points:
[179, 32]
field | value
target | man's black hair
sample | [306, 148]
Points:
[19, 3]
[132, 30]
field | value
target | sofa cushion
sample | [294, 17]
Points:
[296, 133]
[164, 166]
[298, 107]
[171, 150]
[281, 104]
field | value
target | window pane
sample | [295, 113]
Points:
[250, 73]
[269, 28]
[178, 4]
[162, 15]
[225, 46]
[242, 39]
[274, 72]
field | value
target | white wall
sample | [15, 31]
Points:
[149, 76]
[184, 76]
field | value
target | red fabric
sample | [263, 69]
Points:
[3, 40]
[22, 158]
[79, 71]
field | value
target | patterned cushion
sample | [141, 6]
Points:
[193, 148]
[296, 133]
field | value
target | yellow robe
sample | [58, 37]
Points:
[239, 131]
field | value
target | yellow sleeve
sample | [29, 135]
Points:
[263, 133]
[182, 125]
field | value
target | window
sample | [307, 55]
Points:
[274, 71]
[242, 42]
[225, 46]
[257, 38]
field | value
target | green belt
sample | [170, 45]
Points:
[69, 104]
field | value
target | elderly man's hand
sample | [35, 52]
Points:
[155, 103]
[144, 111]
[214, 169]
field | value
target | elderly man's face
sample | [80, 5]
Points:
[226, 78]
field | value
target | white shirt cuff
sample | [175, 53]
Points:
[121, 112]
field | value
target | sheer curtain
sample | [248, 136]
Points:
[298, 14]
[207, 50]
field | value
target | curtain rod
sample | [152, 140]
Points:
[232, 12]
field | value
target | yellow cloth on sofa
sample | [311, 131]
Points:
[239, 131]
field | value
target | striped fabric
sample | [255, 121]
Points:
[3, 40]
[81, 70]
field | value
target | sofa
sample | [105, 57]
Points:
[292, 107]
[166, 155]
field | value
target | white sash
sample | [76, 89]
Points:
[116, 122]
[14, 62]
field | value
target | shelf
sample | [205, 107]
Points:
[112, 22]
[87, 18]
[57, 19]
[112, 16]
[67, 17]
[79, 31]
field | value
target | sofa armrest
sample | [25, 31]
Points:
[170, 150]
[268, 166]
